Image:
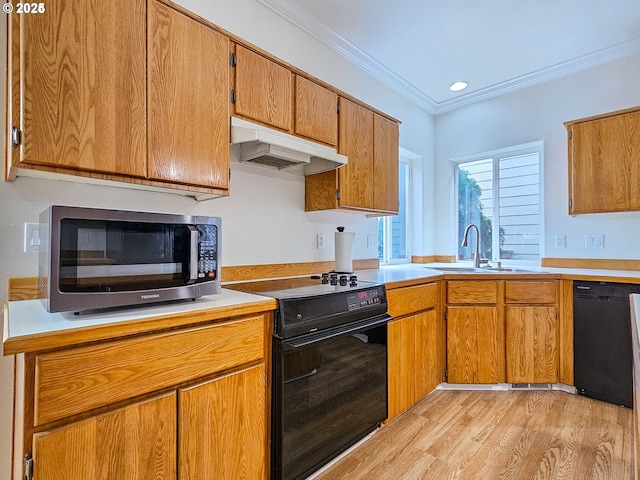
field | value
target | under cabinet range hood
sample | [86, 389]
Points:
[260, 145]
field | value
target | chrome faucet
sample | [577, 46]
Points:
[476, 260]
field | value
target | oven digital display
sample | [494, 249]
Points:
[363, 298]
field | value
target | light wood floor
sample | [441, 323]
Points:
[517, 435]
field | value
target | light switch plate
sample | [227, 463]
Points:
[31, 237]
[369, 241]
[560, 241]
[320, 240]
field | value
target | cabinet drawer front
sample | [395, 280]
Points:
[79, 379]
[530, 292]
[404, 301]
[472, 291]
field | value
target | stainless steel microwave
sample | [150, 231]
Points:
[95, 258]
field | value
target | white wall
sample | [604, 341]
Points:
[538, 113]
[263, 218]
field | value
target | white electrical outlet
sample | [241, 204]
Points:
[31, 237]
[369, 241]
[320, 240]
[594, 241]
[560, 241]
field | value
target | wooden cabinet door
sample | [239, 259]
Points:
[356, 142]
[188, 82]
[137, 442]
[401, 364]
[604, 164]
[427, 375]
[532, 344]
[83, 86]
[385, 165]
[316, 114]
[264, 89]
[222, 428]
[475, 345]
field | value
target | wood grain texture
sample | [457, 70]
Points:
[540, 435]
[407, 300]
[356, 142]
[264, 89]
[604, 163]
[386, 144]
[531, 292]
[321, 191]
[137, 442]
[278, 270]
[472, 292]
[83, 97]
[222, 428]
[566, 332]
[79, 379]
[401, 355]
[316, 114]
[428, 368]
[532, 344]
[188, 88]
[22, 288]
[592, 263]
[475, 345]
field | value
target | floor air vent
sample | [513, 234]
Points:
[530, 386]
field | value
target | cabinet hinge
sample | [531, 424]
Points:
[233, 96]
[28, 466]
[570, 203]
[570, 134]
[229, 174]
[233, 60]
[338, 194]
[16, 137]
[445, 315]
[446, 374]
[337, 108]
[266, 380]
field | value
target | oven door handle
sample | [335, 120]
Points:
[309, 339]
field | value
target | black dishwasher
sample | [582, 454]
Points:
[603, 359]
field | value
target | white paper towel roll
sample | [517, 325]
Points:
[344, 251]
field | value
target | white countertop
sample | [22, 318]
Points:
[29, 318]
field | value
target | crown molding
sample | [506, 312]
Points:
[301, 18]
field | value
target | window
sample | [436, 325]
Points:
[500, 192]
[393, 232]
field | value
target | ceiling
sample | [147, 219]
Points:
[420, 47]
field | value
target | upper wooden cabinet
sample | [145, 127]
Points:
[604, 162]
[386, 148]
[369, 181]
[263, 89]
[356, 142]
[188, 78]
[316, 112]
[78, 86]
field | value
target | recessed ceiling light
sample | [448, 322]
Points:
[457, 86]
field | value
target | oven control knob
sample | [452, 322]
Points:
[343, 280]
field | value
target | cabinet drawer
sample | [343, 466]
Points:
[403, 301]
[472, 291]
[530, 292]
[79, 379]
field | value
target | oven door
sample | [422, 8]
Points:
[330, 390]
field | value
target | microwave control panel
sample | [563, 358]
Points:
[207, 251]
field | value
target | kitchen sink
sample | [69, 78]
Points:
[478, 270]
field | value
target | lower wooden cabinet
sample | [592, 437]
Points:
[137, 442]
[414, 367]
[188, 403]
[220, 435]
[475, 345]
[532, 344]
